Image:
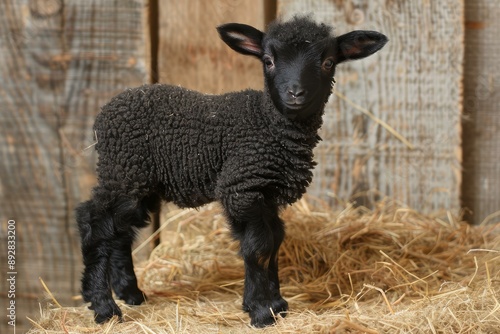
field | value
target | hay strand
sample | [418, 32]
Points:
[49, 293]
[374, 118]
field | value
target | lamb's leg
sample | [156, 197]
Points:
[123, 279]
[278, 229]
[96, 231]
[122, 273]
[251, 222]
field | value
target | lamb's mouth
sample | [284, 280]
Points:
[297, 111]
[296, 106]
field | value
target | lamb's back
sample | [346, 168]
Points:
[174, 139]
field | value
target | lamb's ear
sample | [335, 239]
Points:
[242, 38]
[358, 44]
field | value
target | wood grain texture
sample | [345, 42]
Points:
[60, 62]
[191, 53]
[414, 85]
[481, 127]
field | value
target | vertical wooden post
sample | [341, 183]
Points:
[481, 125]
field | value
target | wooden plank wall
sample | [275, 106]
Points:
[414, 85]
[481, 134]
[60, 62]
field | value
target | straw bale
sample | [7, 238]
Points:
[386, 270]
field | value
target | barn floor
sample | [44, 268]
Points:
[387, 270]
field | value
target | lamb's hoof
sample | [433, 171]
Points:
[104, 311]
[135, 297]
[262, 316]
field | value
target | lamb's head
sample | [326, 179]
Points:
[299, 59]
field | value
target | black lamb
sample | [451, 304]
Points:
[251, 150]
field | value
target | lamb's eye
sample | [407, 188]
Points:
[268, 61]
[328, 64]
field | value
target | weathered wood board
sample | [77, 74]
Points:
[414, 85]
[481, 126]
[61, 60]
[191, 53]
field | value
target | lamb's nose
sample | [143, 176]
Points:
[295, 92]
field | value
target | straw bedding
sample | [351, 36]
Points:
[386, 270]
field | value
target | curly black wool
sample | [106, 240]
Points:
[299, 30]
[193, 148]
